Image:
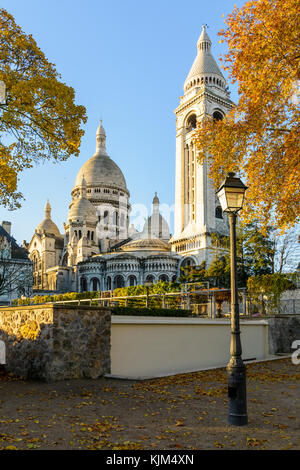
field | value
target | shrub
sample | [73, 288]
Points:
[151, 312]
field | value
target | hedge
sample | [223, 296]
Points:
[151, 312]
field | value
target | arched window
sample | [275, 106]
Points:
[108, 282]
[115, 218]
[191, 123]
[164, 278]
[219, 213]
[83, 284]
[150, 278]
[94, 284]
[132, 281]
[217, 116]
[105, 216]
[119, 282]
[187, 262]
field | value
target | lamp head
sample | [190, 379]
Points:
[231, 193]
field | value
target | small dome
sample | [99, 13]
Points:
[147, 244]
[47, 224]
[82, 209]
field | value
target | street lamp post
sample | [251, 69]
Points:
[231, 195]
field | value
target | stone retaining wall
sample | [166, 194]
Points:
[56, 342]
[283, 330]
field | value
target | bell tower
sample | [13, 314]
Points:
[197, 211]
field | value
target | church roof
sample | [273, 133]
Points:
[147, 244]
[101, 169]
[17, 252]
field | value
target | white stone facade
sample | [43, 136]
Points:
[197, 209]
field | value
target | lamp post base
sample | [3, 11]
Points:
[237, 413]
[238, 420]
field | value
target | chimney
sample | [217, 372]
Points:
[7, 226]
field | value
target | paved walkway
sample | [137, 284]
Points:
[187, 411]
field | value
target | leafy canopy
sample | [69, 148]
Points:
[40, 119]
[259, 137]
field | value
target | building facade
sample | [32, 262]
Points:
[16, 269]
[99, 250]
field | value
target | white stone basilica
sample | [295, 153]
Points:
[99, 249]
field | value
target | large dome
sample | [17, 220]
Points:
[101, 170]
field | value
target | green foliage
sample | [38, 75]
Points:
[41, 299]
[193, 273]
[255, 250]
[160, 287]
[270, 285]
[219, 272]
[40, 120]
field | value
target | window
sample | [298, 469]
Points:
[119, 282]
[191, 123]
[219, 213]
[83, 284]
[94, 284]
[217, 116]
[105, 215]
[187, 262]
[132, 281]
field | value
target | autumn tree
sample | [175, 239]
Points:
[40, 119]
[259, 137]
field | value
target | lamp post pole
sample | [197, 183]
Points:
[231, 195]
[236, 369]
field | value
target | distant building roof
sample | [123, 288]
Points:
[17, 252]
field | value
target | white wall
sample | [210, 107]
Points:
[150, 347]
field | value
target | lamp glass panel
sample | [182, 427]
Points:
[223, 200]
[234, 198]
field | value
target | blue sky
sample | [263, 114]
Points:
[127, 61]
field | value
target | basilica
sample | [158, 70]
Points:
[100, 249]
